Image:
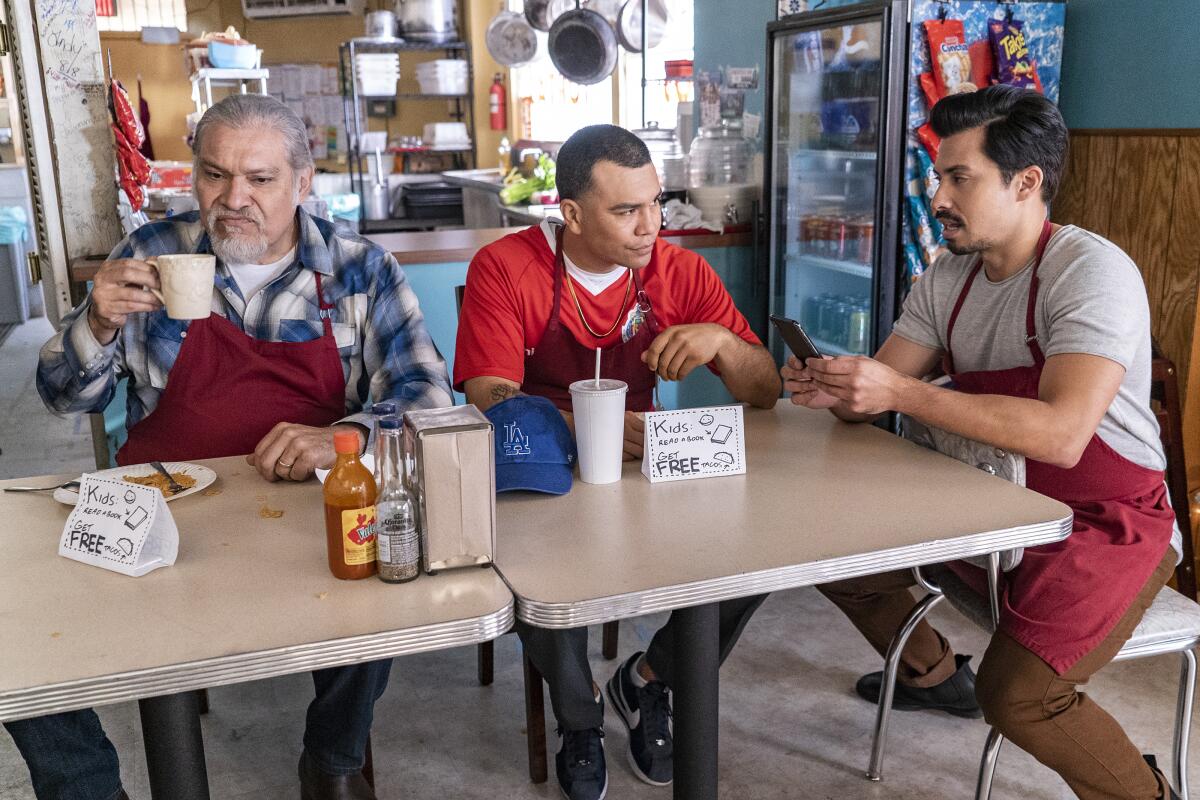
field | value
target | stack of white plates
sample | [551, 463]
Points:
[377, 73]
[443, 76]
[447, 134]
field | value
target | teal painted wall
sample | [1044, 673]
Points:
[1126, 63]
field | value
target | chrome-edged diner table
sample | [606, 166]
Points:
[821, 501]
[249, 597]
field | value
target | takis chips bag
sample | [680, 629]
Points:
[1013, 63]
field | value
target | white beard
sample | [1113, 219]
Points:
[239, 248]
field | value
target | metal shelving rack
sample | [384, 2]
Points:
[463, 110]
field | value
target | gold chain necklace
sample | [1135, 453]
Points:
[579, 308]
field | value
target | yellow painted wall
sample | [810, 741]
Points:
[164, 85]
[293, 40]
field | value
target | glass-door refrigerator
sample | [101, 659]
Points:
[834, 166]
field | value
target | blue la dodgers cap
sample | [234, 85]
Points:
[535, 451]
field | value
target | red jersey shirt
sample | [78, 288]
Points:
[510, 293]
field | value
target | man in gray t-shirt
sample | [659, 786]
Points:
[1044, 332]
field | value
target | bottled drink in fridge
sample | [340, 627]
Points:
[398, 541]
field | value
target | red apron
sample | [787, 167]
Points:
[226, 390]
[1064, 598]
[559, 360]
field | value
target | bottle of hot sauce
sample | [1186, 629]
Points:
[350, 512]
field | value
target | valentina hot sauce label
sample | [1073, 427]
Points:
[358, 535]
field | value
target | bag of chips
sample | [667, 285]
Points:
[983, 63]
[949, 57]
[928, 88]
[929, 140]
[1013, 64]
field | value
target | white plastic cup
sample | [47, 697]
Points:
[187, 284]
[599, 410]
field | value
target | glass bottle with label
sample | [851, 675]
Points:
[398, 542]
[350, 512]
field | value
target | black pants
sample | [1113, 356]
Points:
[561, 657]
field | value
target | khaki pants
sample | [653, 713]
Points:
[1039, 710]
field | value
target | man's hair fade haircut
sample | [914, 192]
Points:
[591, 145]
[1021, 129]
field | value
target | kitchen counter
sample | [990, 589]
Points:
[456, 246]
[481, 201]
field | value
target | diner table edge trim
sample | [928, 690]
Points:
[565, 615]
[257, 665]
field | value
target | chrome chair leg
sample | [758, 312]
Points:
[1183, 722]
[987, 764]
[887, 690]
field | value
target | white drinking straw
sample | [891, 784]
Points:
[597, 367]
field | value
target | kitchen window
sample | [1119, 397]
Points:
[133, 15]
[550, 108]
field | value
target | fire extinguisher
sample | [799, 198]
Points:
[498, 104]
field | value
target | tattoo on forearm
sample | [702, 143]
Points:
[502, 391]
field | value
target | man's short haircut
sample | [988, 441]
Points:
[1021, 129]
[590, 145]
[242, 111]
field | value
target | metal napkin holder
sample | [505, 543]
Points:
[452, 475]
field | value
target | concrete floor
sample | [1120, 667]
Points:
[791, 726]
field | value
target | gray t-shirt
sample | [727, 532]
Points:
[1091, 300]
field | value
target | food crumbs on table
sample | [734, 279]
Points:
[322, 595]
[266, 512]
[56, 635]
[212, 491]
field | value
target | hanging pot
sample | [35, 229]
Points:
[629, 24]
[537, 14]
[609, 9]
[583, 46]
[511, 40]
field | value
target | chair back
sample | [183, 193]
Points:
[1164, 393]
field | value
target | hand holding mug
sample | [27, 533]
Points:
[121, 287]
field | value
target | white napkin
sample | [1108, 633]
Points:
[682, 216]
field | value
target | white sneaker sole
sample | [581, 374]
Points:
[618, 704]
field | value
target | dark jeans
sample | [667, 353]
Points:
[70, 758]
[561, 657]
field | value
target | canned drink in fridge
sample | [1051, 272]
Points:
[841, 325]
[859, 334]
[812, 313]
[825, 316]
[866, 241]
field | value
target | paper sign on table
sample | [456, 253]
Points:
[120, 526]
[694, 443]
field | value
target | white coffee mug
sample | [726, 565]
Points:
[187, 284]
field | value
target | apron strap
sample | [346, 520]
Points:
[560, 275]
[643, 301]
[325, 308]
[1031, 339]
[1030, 306]
[948, 367]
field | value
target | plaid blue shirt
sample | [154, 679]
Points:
[385, 349]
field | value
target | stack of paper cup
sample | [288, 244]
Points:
[599, 410]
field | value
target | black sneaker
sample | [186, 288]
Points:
[1153, 762]
[955, 695]
[646, 713]
[582, 774]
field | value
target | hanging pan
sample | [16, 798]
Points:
[537, 14]
[510, 39]
[583, 46]
[629, 24]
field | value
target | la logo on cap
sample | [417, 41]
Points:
[515, 442]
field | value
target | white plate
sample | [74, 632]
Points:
[203, 475]
[367, 460]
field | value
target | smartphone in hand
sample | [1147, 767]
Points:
[796, 339]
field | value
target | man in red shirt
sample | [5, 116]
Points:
[537, 305]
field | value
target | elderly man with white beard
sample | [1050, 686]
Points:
[309, 323]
